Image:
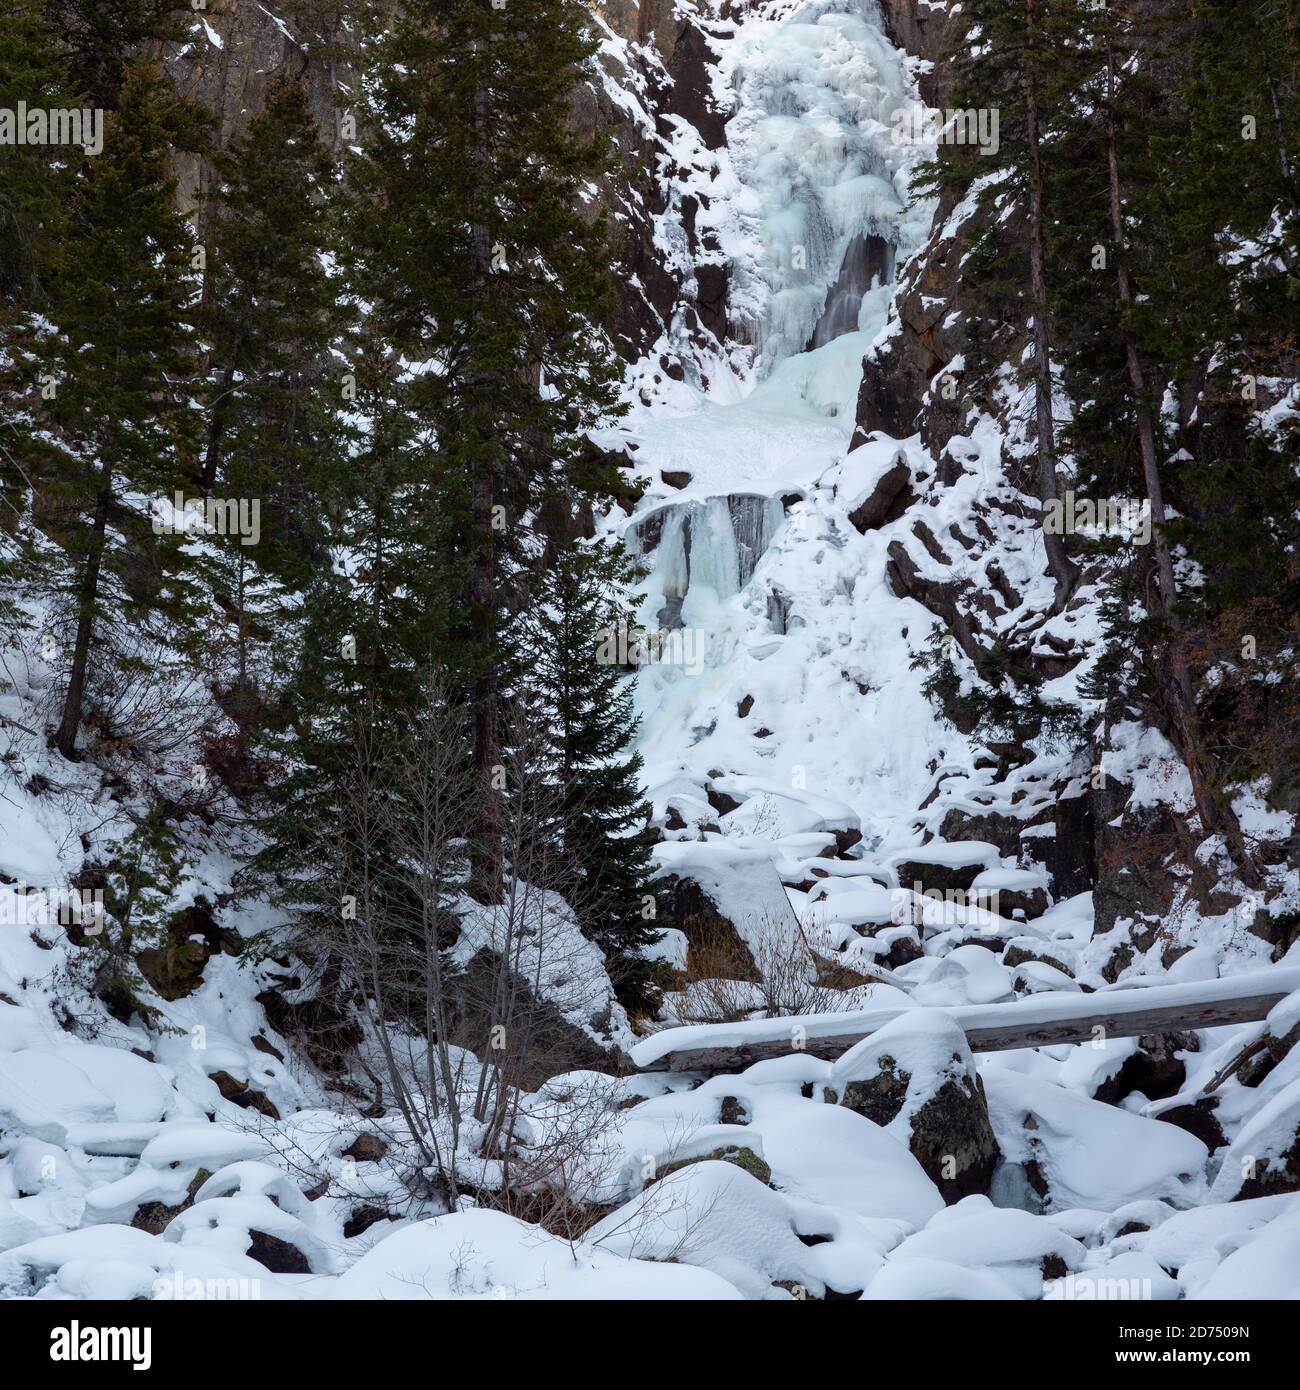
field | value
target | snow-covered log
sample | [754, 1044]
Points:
[1042, 1021]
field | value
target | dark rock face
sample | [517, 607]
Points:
[1281, 1171]
[903, 391]
[1281, 1175]
[194, 936]
[317, 44]
[323, 1026]
[1280, 931]
[904, 948]
[1070, 855]
[722, 802]
[688, 68]
[712, 939]
[732, 1112]
[653, 298]
[951, 1136]
[155, 1217]
[1002, 831]
[1030, 903]
[243, 1095]
[264, 1045]
[362, 1219]
[276, 1255]
[941, 597]
[255, 48]
[1198, 1119]
[366, 1148]
[555, 1044]
[926, 32]
[1129, 844]
[1279, 1045]
[1154, 1069]
[1016, 954]
[941, 878]
[889, 498]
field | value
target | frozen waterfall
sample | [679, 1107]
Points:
[705, 551]
[823, 181]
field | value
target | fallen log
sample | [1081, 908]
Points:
[1043, 1020]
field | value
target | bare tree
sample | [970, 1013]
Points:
[466, 1007]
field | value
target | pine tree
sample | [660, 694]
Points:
[34, 179]
[109, 395]
[1022, 63]
[355, 656]
[98, 43]
[273, 430]
[1233, 172]
[1148, 322]
[480, 270]
[582, 698]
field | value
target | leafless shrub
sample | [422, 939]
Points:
[458, 998]
[792, 978]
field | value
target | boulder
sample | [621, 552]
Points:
[916, 1078]
[277, 1255]
[713, 940]
[244, 1095]
[887, 500]
[1154, 1069]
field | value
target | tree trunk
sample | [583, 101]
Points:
[487, 754]
[486, 750]
[1062, 568]
[1180, 695]
[70, 722]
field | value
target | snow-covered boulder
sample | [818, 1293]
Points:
[1264, 1158]
[489, 1255]
[1081, 1153]
[718, 1217]
[1013, 1247]
[916, 1077]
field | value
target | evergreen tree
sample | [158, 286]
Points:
[1020, 66]
[1165, 314]
[582, 698]
[273, 430]
[1233, 184]
[34, 179]
[482, 275]
[109, 391]
[97, 43]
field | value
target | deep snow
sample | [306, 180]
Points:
[806, 710]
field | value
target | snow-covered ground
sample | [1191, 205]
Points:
[127, 1171]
